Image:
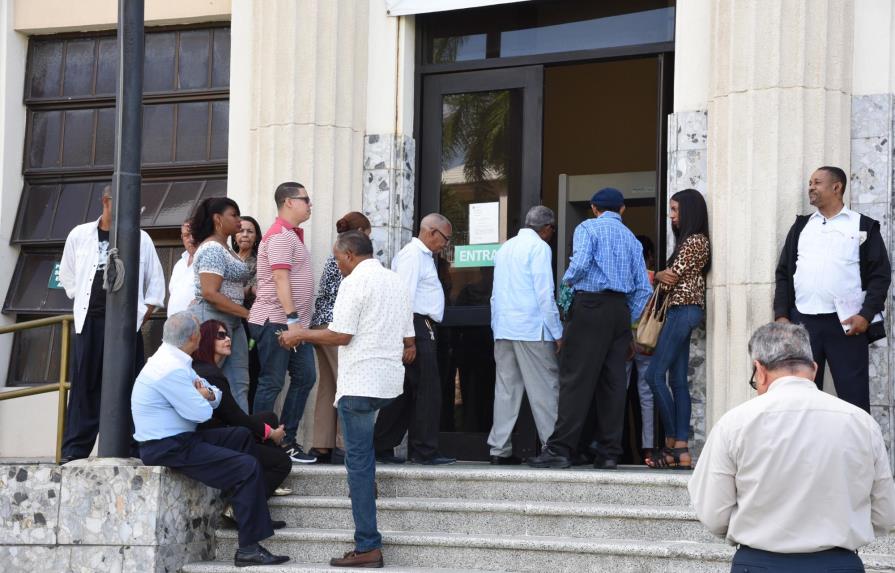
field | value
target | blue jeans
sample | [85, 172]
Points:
[357, 414]
[275, 362]
[235, 366]
[672, 356]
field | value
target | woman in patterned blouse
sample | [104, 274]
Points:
[327, 441]
[684, 284]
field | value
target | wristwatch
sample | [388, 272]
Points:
[293, 315]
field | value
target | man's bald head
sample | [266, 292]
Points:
[435, 231]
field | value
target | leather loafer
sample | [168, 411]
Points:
[549, 459]
[257, 556]
[605, 464]
[277, 524]
[505, 461]
[371, 559]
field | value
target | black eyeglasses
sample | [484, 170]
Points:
[222, 335]
[752, 381]
[443, 236]
[304, 198]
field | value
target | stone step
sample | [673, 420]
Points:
[521, 483]
[297, 567]
[596, 521]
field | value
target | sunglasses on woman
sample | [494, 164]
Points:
[222, 335]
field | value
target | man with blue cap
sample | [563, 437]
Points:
[610, 283]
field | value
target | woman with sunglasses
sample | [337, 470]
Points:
[214, 347]
[220, 282]
[327, 443]
[683, 281]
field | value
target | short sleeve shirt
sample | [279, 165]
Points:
[282, 248]
[213, 258]
[373, 306]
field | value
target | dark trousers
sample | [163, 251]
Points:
[82, 419]
[418, 409]
[835, 560]
[222, 458]
[848, 356]
[275, 462]
[592, 372]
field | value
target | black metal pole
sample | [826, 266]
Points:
[121, 305]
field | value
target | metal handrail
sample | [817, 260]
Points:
[62, 386]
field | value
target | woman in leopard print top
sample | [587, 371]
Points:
[684, 284]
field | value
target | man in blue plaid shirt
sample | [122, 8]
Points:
[611, 285]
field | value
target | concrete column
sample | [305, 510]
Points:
[779, 107]
[297, 108]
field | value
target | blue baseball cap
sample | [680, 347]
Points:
[608, 198]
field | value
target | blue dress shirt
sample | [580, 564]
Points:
[522, 305]
[164, 401]
[607, 256]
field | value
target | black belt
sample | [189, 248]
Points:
[589, 294]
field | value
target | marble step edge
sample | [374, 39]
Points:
[528, 508]
[297, 567]
[641, 548]
[476, 472]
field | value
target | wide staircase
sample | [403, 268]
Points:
[472, 517]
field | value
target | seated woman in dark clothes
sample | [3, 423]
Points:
[214, 348]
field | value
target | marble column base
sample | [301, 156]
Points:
[388, 191]
[104, 515]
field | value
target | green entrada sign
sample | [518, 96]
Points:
[475, 255]
[54, 277]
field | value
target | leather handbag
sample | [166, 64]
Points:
[653, 318]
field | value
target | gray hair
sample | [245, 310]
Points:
[432, 220]
[778, 345]
[539, 217]
[354, 242]
[179, 328]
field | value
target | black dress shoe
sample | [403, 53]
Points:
[549, 458]
[505, 461]
[257, 556]
[388, 457]
[605, 463]
[436, 460]
[277, 524]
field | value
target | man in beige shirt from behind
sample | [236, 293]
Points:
[797, 478]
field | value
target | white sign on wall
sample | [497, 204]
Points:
[484, 223]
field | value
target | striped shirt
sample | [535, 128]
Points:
[607, 256]
[282, 248]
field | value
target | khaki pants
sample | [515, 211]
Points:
[327, 433]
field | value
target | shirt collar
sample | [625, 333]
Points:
[421, 245]
[295, 228]
[177, 355]
[791, 381]
[526, 231]
[610, 215]
[845, 212]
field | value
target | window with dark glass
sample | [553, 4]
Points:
[69, 97]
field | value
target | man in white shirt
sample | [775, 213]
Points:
[527, 333]
[373, 328]
[831, 256]
[417, 411]
[182, 286]
[81, 271]
[799, 479]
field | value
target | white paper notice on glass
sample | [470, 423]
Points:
[850, 305]
[484, 223]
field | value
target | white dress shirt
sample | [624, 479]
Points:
[522, 304]
[80, 260]
[373, 306]
[181, 289]
[795, 470]
[828, 261]
[164, 401]
[416, 267]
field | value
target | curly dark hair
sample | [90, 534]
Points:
[202, 221]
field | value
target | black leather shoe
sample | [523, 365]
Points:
[605, 464]
[436, 460]
[505, 461]
[549, 459]
[277, 524]
[257, 556]
[388, 457]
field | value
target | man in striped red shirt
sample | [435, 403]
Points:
[285, 301]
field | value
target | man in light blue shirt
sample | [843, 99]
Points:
[527, 333]
[168, 400]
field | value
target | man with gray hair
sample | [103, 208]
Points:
[527, 333]
[168, 400]
[799, 479]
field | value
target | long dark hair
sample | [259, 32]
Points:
[693, 219]
[257, 235]
[202, 222]
[209, 332]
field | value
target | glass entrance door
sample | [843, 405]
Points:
[481, 168]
